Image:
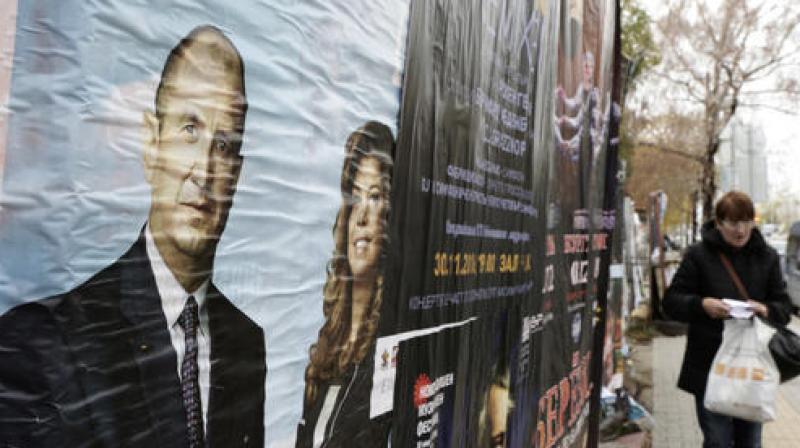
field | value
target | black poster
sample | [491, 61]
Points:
[466, 205]
[498, 215]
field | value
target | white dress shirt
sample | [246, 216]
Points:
[173, 300]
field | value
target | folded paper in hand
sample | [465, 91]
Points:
[739, 309]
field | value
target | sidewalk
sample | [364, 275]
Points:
[676, 424]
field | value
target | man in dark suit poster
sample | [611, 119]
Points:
[148, 352]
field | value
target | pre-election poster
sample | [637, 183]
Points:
[302, 224]
[162, 149]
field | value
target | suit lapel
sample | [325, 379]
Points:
[152, 347]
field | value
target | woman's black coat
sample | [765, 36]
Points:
[702, 274]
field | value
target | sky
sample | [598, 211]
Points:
[782, 130]
[783, 151]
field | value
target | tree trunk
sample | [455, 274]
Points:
[695, 226]
[708, 182]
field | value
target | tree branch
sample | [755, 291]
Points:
[771, 91]
[673, 151]
[770, 107]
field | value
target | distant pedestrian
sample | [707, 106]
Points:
[695, 297]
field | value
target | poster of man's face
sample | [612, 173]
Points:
[232, 163]
[193, 140]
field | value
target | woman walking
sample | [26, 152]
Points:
[695, 297]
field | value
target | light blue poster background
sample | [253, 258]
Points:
[74, 196]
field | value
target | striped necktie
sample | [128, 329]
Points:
[190, 387]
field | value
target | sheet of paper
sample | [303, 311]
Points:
[739, 309]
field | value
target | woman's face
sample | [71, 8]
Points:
[365, 228]
[735, 233]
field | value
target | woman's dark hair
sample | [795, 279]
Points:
[734, 206]
[332, 354]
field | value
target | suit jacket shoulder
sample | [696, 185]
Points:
[95, 366]
[79, 371]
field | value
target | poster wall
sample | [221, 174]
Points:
[308, 224]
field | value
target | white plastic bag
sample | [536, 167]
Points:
[744, 379]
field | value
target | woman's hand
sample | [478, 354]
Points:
[716, 308]
[759, 308]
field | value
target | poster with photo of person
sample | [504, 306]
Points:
[193, 209]
[302, 224]
[579, 223]
[492, 380]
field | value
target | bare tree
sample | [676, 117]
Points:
[722, 55]
[667, 157]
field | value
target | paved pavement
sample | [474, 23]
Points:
[676, 424]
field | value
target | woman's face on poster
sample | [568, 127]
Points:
[365, 230]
